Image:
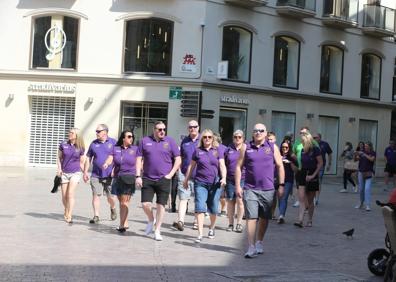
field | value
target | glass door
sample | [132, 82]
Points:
[328, 128]
[230, 120]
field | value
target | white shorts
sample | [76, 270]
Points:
[71, 177]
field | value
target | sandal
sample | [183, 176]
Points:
[121, 229]
[309, 223]
[298, 224]
[195, 226]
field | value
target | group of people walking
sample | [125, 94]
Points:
[252, 175]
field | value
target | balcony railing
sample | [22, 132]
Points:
[247, 3]
[379, 17]
[301, 4]
[344, 10]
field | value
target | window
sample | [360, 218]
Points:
[371, 77]
[148, 46]
[331, 69]
[286, 62]
[230, 120]
[283, 124]
[368, 131]
[140, 117]
[237, 50]
[55, 48]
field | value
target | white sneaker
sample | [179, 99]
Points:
[199, 239]
[259, 247]
[343, 191]
[296, 204]
[157, 236]
[211, 234]
[368, 208]
[149, 228]
[359, 206]
[251, 253]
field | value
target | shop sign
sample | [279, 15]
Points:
[189, 64]
[234, 100]
[59, 88]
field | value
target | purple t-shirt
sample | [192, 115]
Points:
[124, 160]
[207, 169]
[390, 155]
[187, 148]
[259, 165]
[308, 159]
[99, 151]
[70, 157]
[324, 149]
[231, 156]
[365, 164]
[158, 156]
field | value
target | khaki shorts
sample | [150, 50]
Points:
[101, 186]
[71, 177]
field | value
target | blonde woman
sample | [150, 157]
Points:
[70, 163]
[208, 159]
[308, 176]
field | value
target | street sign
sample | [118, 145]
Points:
[207, 114]
[175, 92]
[190, 103]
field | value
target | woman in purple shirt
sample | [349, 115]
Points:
[124, 158]
[231, 157]
[70, 164]
[308, 177]
[208, 159]
[366, 159]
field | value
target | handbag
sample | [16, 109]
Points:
[367, 174]
[351, 165]
[57, 182]
[127, 179]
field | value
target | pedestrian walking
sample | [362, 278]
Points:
[307, 176]
[350, 167]
[271, 137]
[124, 159]
[390, 166]
[231, 157]
[327, 154]
[258, 157]
[100, 180]
[207, 160]
[366, 159]
[70, 163]
[187, 148]
[223, 201]
[158, 157]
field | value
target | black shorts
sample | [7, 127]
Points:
[161, 188]
[310, 186]
[123, 185]
[390, 169]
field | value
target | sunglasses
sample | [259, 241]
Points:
[258, 130]
[129, 136]
[207, 137]
[285, 147]
[99, 131]
[192, 126]
[237, 137]
[161, 129]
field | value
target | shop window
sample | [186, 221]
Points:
[55, 41]
[283, 124]
[371, 77]
[368, 131]
[286, 62]
[331, 70]
[328, 127]
[237, 48]
[230, 120]
[148, 46]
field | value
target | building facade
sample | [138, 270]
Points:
[326, 64]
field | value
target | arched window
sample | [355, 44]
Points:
[286, 62]
[237, 49]
[331, 69]
[148, 46]
[55, 41]
[371, 76]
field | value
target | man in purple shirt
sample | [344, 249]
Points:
[187, 148]
[98, 152]
[258, 157]
[390, 167]
[158, 157]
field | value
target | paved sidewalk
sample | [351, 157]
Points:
[37, 245]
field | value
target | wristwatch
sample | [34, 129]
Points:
[138, 176]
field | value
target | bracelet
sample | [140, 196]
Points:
[281, 184]
[138, 176]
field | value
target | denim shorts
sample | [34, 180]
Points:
[207, 197]
[184, 194]
[230, 190]
[72, 176]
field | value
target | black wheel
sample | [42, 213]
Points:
[377, 261]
